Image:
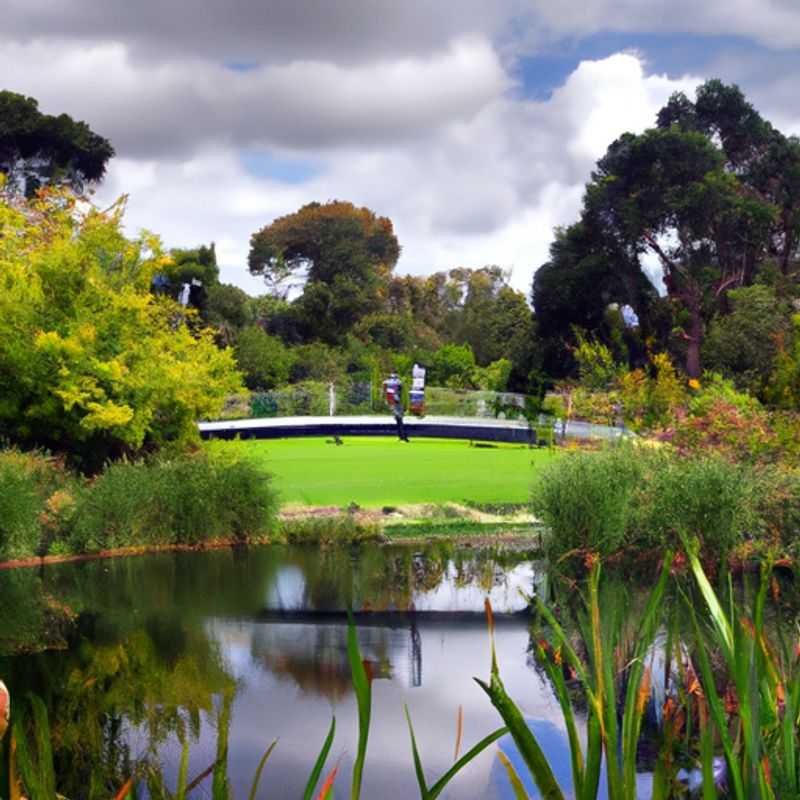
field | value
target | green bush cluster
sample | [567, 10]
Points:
[629, 497]
[339, 529]
[185, 500]
[35, 498]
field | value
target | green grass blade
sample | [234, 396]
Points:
[556, 675]
[516, 783]
[26, 766]
[524, 739]
[259, 770]
[789, 744]
[313, 778]
[722, 625]
[363, 690]
[707, 762]
[420, 773]
[594, 757]
[220, 789]
[436, 789]
[567, 648]
[44, 750]
[718, 713]
[633, 710]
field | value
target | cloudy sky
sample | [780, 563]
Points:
[472, 124]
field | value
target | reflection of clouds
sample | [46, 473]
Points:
[288, 590]
[293, 675]
[298, 710]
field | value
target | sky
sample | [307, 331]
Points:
[472, 125]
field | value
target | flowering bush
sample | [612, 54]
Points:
[721, 418]
[651, 401]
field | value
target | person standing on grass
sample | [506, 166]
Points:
[393, 392]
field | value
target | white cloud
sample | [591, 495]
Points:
[484, 190]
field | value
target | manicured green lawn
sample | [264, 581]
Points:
[378, 471]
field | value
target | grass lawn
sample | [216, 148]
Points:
[380, 471]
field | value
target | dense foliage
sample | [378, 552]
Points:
[634, 499]
[192, 499]
[92, 363]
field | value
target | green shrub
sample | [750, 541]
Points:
[584, 500]
[341, 529]
[707, 497]
[184, 500]
[776, 505]
[36, 501]
[20, 506]
[633, 497]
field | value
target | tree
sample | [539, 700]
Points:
[265, 361]
[341, 255]
[713, 192]
[587, 273]
[764, 160]
[39, 149]
[452, 365]
[744, 343]
[228, 309]
[93, 364]
[667, 192]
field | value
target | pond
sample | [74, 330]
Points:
[252, 644]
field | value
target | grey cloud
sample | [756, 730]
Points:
[170, 109]
[773, 23]
[263, 31]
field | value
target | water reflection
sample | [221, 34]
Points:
[161, 640]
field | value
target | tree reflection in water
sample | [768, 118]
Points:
[144, 668]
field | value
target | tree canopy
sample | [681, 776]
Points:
[92, 363]
[342, 257]
[38, 149]
[711, 192]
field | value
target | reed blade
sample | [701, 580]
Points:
[420, 773]
[260, 769]
[308, 794]
[436, 789]
[363, 691]
[513, 777]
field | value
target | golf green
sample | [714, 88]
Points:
[379, 471]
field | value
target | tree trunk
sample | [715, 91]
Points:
[695, 338]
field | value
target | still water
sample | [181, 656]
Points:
[252, 644]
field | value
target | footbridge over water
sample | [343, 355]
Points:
[487, 429]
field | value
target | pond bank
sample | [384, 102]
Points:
[326, 525]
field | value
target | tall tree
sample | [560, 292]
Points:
[713, 192]
[39, 149]
[342, 256]
[764, 160]
[668, 192]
